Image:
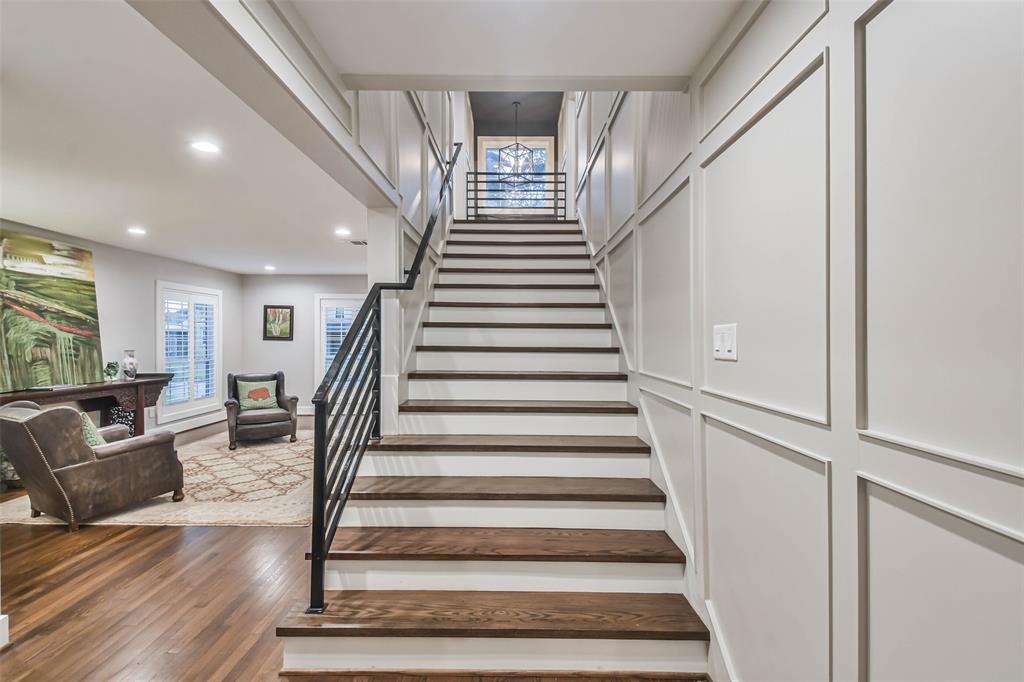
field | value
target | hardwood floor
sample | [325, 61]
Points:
[148, 602]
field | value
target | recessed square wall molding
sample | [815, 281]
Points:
[375, 123]
[912, 551]
[667, 138]
[766, 251]
[410, 161]
[666, 290]
[768, 509]
[621, 293]
[582, 136]
[763, 40]
[435, 176]
[600, 108]
[597, 228]
[432, 102]
[623, 166]
[583, 208]
[670, 423]
[940, 227]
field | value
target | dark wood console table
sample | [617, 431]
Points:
[131, 396]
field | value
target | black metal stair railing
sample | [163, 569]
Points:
[534, 196]
[347, 407]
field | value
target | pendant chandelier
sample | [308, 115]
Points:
[515, 162]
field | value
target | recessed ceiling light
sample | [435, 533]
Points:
[342, 231]
[269, 268]
[137, 231]
[205, 147]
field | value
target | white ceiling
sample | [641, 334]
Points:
[549, 40]
[98, 110]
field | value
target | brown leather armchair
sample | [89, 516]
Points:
[269, 422]
[68, 479]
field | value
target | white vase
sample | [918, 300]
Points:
[129, 365]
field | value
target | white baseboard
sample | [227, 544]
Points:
[5, 633]
[196, 422]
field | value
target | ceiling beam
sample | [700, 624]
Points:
[516, 83]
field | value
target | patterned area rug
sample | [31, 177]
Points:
[262, 483]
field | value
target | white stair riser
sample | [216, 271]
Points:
[516, 362]
[468, 314]
[620, 465]
[517, 423]
[453, 261]
[488, 653]
[498, 249]
[530, 336]
[517, 277]
[510, 576]
[504, 514]
[521, 236]
[519, 295]
[445, 389]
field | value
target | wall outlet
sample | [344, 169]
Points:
[724, 342]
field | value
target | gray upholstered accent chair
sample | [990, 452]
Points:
[67, 478]
[269, 422]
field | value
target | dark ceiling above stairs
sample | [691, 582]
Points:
[538, 112]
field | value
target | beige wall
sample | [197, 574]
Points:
[296, 357]
[850, 493]
[126, 297]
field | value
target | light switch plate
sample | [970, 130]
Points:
[724, 344]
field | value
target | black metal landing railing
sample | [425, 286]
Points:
[347, 408]
[535, 196]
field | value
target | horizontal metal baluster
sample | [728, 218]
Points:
[345, 428]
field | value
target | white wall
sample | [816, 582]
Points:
[843, 181]
[295, 358]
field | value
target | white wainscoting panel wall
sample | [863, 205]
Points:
[843, 182]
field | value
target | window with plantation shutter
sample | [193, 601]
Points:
[334, 319]
[336, 322]
[188, 345]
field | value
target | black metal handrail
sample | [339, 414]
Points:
[532, 196]
[347, 407]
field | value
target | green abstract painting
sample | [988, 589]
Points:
[49, 327]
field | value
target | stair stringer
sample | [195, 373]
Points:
[719, 662]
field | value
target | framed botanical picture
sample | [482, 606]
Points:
[278, 322]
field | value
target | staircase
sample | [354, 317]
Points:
[511, 526]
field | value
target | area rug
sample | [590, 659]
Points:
[262, 483]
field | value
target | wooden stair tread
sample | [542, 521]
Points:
[531, 406]
[505, 544]
[531, 256]
[519, 325]
[512, 242]
[459, 230]
[549, 488]
[562, 615]
[491, 304]
[427, 348]
[537, 221]
[519, 271]
[466, 375]
[524, 285]
[510, 443]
